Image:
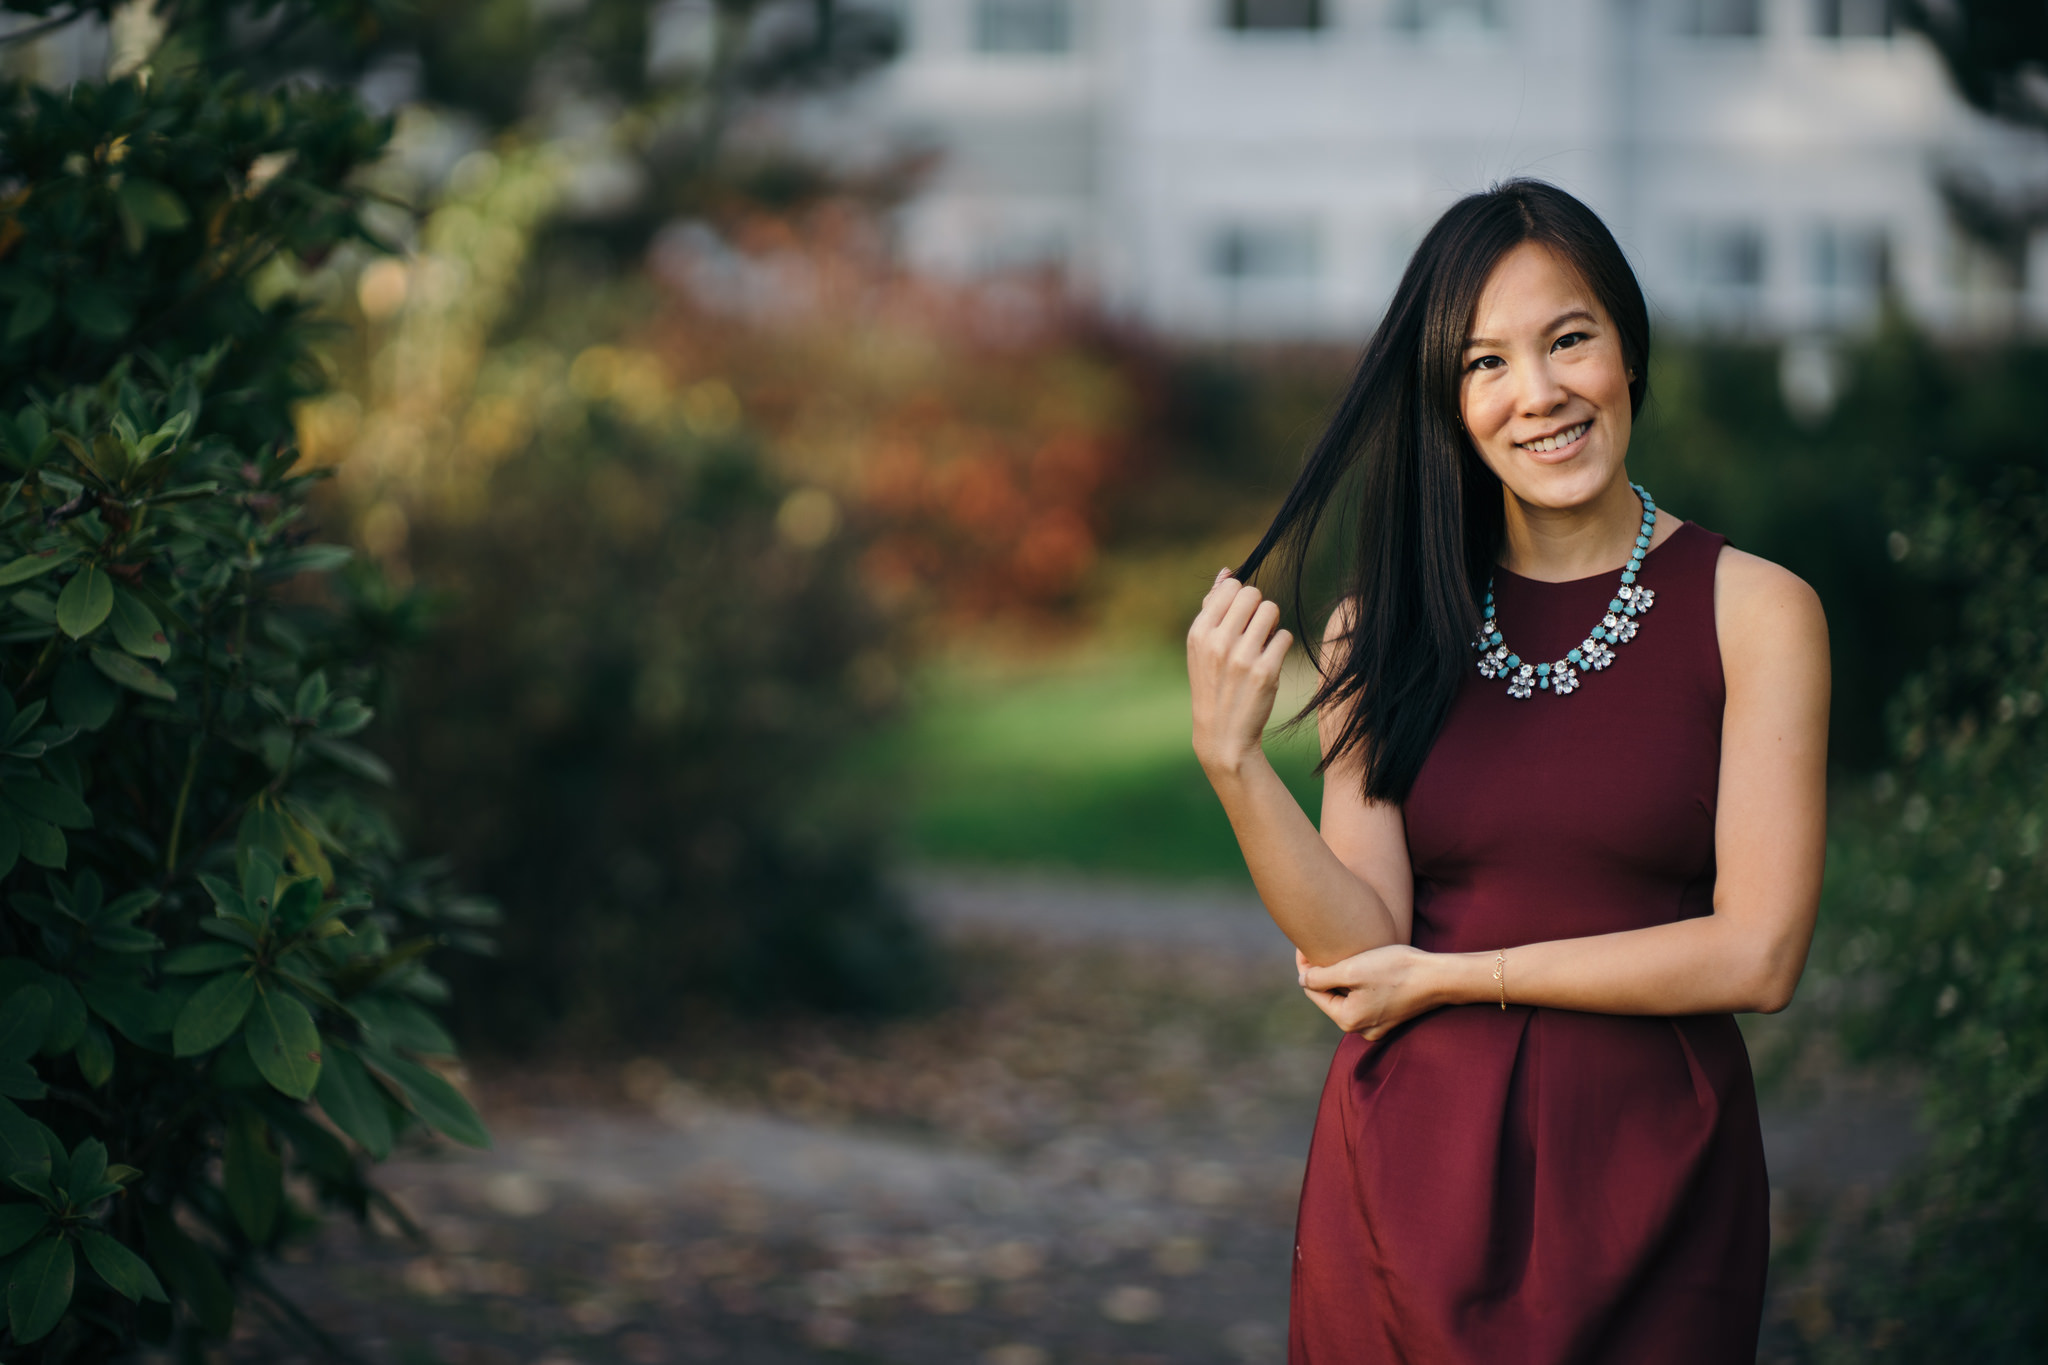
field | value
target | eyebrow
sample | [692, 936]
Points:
[1560, 320]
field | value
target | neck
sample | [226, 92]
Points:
[1558, 544]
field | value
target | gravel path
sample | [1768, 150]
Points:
[1092, 1159]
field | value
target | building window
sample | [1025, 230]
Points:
[1721, 18]
[1447, 16]
[1023, 26]
[1725, 265]
[1273, 15]
[1853, 18]
[1851, 269]
[1275, 252]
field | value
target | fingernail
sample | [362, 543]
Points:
[1222, 573]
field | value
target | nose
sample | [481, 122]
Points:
[1542, 394]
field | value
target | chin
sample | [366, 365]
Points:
[1574, 483]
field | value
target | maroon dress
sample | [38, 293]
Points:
[1539, 1186]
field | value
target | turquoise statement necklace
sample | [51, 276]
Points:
[1561, 677]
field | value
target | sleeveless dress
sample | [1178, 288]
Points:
[1540, 1186]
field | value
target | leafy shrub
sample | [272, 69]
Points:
[207, 928]
[1933, 930]
[628, 727]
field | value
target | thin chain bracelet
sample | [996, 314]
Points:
[1500, 966]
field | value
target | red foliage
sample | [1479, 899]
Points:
[973, 433]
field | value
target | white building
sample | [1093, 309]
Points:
[1263, 167]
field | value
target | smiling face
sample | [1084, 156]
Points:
[1544, 394]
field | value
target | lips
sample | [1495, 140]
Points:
[1556, 440]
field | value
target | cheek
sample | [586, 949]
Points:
[1482, 409]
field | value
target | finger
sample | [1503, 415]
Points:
[1239, 613]
[1221, 594]
[1276, 649]
[1252, 643]
[1221, 574]
[1322, 978]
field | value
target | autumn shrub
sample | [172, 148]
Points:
[216, 1004]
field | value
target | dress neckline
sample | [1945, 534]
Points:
[1655, 550]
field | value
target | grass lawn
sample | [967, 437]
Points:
[1083, 766]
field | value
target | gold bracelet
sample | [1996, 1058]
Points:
[1500, 966]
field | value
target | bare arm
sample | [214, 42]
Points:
[1769, 840]
[1334, 894]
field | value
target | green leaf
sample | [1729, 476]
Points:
[261, 870]
[311, 559]
[32, 309]
[96, 312]
[18, 1081]
[40, 1290]
[140, 1014]
[191, 1270]
[200, 958]
[21, 1142]
[128, 1273]
[438, 1103]
[236, 930]
[85, 602]
[95, 1053]
[18, 1223]
[401, 1023]
[351, 759]
[213, 1013]
[226, 900]
[47, 801]
[32, 566]
[311, 698]
[42, 843]
[88, 1170]
[345, 718]
[83, 695]
[137, 629]
[132, 674]
[67, 1015]
[126, 938]
[354, 1101]
[297, 904]
[152, 204]
[252, 1174]
[283, 1043]
[24, 1019]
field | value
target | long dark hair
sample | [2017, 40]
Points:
[1429, 513]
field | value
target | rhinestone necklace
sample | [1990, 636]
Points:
[1618, 627]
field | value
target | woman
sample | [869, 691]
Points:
[1573, 807]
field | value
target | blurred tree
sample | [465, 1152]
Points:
[209, 928]
[1996, 52]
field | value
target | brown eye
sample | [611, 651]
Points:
[1569, 339]
[1486, 362]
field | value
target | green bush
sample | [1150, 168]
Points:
[207, 928]
[1717, 444]
[1932, 935]
[630, 721]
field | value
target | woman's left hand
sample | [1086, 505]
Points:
[1374, 991]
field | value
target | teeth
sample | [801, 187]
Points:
[1563, 438]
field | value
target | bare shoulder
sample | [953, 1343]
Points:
[1341, 620]
[1772, 612]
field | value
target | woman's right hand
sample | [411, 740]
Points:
[1234, 658]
